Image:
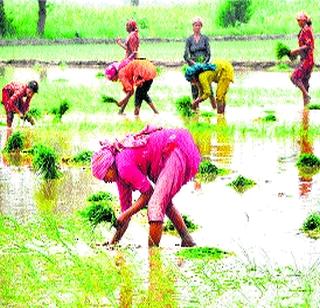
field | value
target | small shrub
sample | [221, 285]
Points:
[314, 106]
[61, 110]
[234, 12]
[308, 161]
[101, 196]
[99, 212]
[240, 184]
[202, 253]
[45, 162]
[14, 143]
[207, 171]
[183, 106]
[191, 226]
[108, 99]
[83, 157]
[311, 225]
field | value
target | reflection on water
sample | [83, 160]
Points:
[24, 193]
[306, 147]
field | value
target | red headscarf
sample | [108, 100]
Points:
[132, 25]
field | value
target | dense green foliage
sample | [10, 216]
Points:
[311, 225]
[282, 50]
[45, 162]
[207, 171]
[234, 12]
[34, 112]
[268, 17]
[59, 111]
[15, 142]
[98, 212]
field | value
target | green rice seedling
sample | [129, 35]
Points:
[269, 118]
[183, 106]
[100, 75]
[108, 99]
[282, 50]
[314, 106]
[191, 226]
[15, 142]
[184, 68]
[208, 253]
[241, 184]
[34, 112]
[311, 226]
[98, 212]
[308, 163]
[207, 171]
[101, 196]
[61, 110]
[45, 163]
[84, 157]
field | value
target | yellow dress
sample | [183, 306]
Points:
[223, 76]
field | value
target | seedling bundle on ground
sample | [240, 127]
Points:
[207, 171]
[191, 226]
[100, 209]
[311, 225]
[241, 184]
[183, 106]
[15, 142]
[308, 163]
[108, 99]
[61, 110]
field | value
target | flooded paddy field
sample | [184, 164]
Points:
[271, 262]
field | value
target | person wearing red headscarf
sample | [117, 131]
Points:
[131, 44]
[301, 75]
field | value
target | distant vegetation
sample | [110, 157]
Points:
[266, 17]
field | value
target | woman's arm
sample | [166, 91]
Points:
[124, 218]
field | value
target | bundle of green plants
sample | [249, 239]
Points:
[98, 212]
[191, 226]
[184, 68]
[240, 184]
[45, 162]
[14, 143]
[269, 118]
[183, 106]
[100, 75]
[207, 253]
[108, 99]
[207, 171]
[308, 162]
[83, 157]
[314, 106]
[283, 50]
[61, 109]
[34, 112]
[311, 226]
[101, 196]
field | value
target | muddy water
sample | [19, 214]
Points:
[262, 223]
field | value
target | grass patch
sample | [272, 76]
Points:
[311, 226]
[207, 253]
[241, 184]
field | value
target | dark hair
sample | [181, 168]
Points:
[309, 22]
[33, 85]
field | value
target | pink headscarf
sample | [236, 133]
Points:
[103, 159]
[113, 68]
[132, 25]
[303, 16]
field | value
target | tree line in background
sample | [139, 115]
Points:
[230, 13]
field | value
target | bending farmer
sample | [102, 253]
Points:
[137, 73]
[202, 75]
[167, 157]
[16, 98]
